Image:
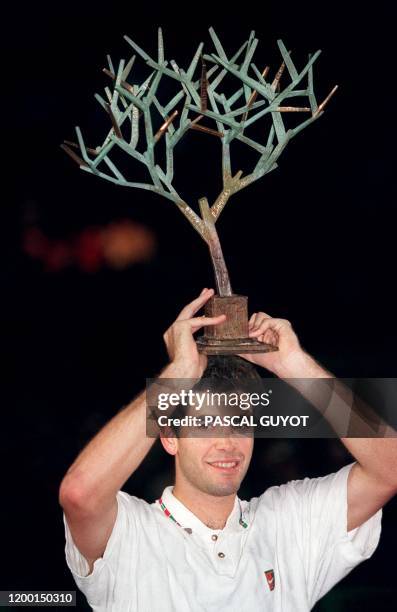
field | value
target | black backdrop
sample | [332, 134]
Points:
[312, 242]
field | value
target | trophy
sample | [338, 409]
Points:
[203, 103]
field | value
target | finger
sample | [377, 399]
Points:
[260, 316]
[275, 325]
[198, 322]
[190, 309]
[260, 328]
[254, 321]
[269, 338]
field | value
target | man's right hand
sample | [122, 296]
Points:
[186, 361]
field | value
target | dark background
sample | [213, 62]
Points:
[314, 242]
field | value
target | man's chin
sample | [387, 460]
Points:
[222, 489]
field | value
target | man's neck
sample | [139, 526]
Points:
[212, 510]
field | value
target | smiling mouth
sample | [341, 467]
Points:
[224, 466]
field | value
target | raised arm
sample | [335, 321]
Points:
[89, 488]
[373, 479]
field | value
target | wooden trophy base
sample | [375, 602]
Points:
[230, 337]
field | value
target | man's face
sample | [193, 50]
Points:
[213, 460]
[215, 466]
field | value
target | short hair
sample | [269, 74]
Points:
[230, 369]
[223, 374]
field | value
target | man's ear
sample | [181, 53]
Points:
[169, 441]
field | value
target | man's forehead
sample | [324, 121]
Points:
[222, 405]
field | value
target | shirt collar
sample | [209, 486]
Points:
[186, 519]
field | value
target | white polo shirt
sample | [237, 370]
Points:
[279, 552]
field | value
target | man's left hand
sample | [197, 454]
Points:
[290, 360]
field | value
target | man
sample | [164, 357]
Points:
[199, 547]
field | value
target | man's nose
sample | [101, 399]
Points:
[226, 442]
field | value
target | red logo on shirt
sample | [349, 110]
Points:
[270, 579]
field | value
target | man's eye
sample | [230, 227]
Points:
[200, 427]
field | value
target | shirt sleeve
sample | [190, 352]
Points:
[98, 586]
[316, 510]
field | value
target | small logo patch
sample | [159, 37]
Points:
[270, 579]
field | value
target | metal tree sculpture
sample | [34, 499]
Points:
[136, 104]
[199, 97]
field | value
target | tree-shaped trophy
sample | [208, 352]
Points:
[199, 100]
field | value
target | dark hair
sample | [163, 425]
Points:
[224, 374]
[230, 368]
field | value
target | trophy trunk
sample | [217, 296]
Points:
[232, 336]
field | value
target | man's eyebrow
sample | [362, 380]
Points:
[219, 414]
